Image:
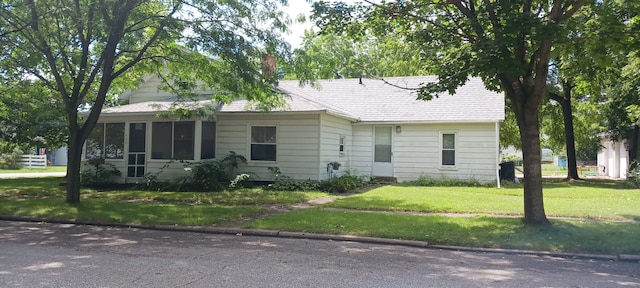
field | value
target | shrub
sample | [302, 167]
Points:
[345, 183]
[633, 177]
[98, 174]
[216, 175]
[286, 183]
[11, 160]
[426, 181]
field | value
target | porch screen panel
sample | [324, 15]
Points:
[95, 142]
[208, 142]
[137, 136]
[114, 141]
[161, 140]
[183, 140]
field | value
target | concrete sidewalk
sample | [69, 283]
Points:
[32, 175]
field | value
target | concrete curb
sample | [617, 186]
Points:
[331, 237]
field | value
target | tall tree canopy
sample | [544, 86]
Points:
[506, 43]
[30, 117]
[329, 56]
[85, 50]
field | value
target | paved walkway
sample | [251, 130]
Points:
[32, 175]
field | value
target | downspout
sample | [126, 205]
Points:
[497, 154]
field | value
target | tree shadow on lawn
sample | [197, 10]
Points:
[486, 232]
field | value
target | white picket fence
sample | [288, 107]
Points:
[34, 161]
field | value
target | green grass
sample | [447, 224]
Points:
[584, 199]
[609, 202]
[109, 211]
[487, 232]
[44, 198]
[36, 170]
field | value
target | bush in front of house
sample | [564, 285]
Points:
[11, 161]
[216, 175]
[426, 181]
[99, 174]
[345, 183]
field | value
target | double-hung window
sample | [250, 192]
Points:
[172, 140]
[448, 148]
[106, 141]
[263, 143]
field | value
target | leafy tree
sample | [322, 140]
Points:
[86, 50]
[329, 56]
[506, 43]
[30, 118]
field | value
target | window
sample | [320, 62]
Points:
[172, 140]
[263, 143]
[106, 141]
[448, 149]
[341, 145]
[208, 142]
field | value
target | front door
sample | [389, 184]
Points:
[137, 156]
[382, 155]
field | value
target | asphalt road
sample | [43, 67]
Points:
[65, 255]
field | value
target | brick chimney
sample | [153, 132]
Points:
[269, 67]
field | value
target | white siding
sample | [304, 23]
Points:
[416, 151]
[362, 149]
[150, 91]
[297, 143]
[332, 128]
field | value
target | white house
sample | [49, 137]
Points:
[371, 127]
[613, 159]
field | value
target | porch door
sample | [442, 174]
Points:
[137, 156]
[382, 156]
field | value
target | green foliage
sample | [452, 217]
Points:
[29, 117]
[329, 56]
[345, 183]
[11, 160]
[216, 175]
[99, 51]
[286, 183]
[517, 159]
[426, 181]
[99, 174]
[633, 176]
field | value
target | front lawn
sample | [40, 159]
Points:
[593, 199]
[487, 217]
[486, 232]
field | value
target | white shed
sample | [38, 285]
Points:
[613, 159]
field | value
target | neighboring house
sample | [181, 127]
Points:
[613, 159]
[368, 126]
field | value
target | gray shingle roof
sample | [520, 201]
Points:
[375, 100]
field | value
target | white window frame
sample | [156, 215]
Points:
[250, 143]
[455, 149]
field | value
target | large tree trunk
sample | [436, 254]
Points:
[74, 158]
[531, 156]
[633, 150]
[570, 141]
